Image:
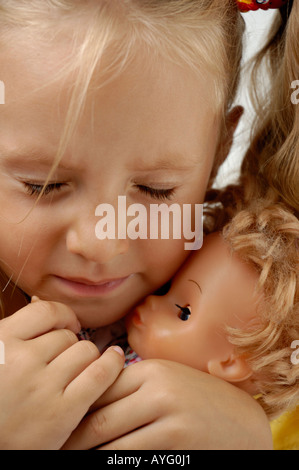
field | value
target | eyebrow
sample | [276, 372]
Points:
[191, 280]
[26, 157]
[18, 158]
[169, 161]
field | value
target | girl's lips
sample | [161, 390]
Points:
[86, 282]
[86, 288]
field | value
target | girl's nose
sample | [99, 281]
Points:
[81, 240]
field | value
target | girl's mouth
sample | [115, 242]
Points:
[86, 288]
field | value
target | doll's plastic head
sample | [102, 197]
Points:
[212, 290]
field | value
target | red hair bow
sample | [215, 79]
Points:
[247, 5]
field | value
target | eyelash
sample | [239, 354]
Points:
[36, 190]
[161, 194]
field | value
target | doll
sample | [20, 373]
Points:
[232, 309]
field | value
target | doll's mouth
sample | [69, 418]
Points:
[135, 318]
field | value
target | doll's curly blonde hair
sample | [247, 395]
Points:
[267, 237]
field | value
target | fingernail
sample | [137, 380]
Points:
[79, 327]
[34, 298]
[118, 349]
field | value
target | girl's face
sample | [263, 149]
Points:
[149, 135]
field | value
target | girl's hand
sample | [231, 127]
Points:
[157, 405]
[49, 379]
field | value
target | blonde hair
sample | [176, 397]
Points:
[271, 165]
[270, 168]
[199, 34]
[266, 233]
[267, 237]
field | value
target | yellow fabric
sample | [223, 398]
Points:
[285, 431]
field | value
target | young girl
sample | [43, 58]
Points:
[107, 98]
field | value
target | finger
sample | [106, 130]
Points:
[127, 383]
[51, 345]
[39, 318]
[95, 379]
[72, 362]
[148, 437]
[109, 423]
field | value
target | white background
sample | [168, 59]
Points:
[257, 27]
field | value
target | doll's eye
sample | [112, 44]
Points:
[184, 314]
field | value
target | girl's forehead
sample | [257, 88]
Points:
[167, 100]
[55, 66]
[88, 30]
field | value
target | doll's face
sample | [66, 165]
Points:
[217, 288]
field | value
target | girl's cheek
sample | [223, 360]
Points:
[163, 257]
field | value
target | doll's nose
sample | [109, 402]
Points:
[156, 304]
[151, 303]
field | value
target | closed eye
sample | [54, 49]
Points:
[38, 189]
[160, 194]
